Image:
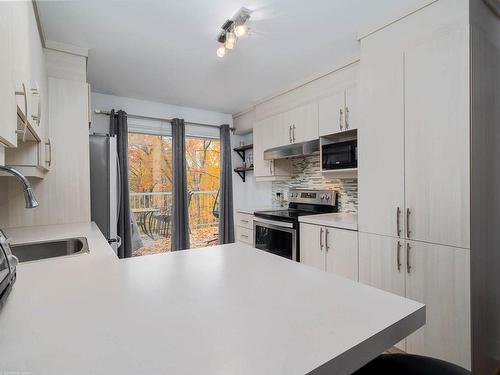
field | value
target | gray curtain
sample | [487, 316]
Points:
[226, 219]
[180, 214]
[118, 126]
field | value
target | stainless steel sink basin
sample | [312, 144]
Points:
[50, 249]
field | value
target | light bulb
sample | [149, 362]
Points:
[241, 30]
[221, 51]
[230, 40]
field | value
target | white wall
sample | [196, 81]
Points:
[159, 110]
[249, 194]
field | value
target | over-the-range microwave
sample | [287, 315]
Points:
[339, 155]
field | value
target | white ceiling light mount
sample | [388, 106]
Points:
[233, 29]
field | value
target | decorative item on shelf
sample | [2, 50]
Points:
[249, 158]
[247, 165]
[233, 29]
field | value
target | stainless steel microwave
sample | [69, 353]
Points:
[339, 155]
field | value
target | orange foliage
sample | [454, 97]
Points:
[150, 170]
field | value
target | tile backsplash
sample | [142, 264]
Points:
[306, 174]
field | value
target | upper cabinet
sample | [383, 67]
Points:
[23, 91]
[323, 106]
[381, 144]
[265, 133]
[414, 157]
[301, 123]
[437, 129]
[338, 112]
[8, 114]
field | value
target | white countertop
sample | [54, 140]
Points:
[228, 309]
[335, 220]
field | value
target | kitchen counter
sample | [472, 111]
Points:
[335, 220]
[229, 309]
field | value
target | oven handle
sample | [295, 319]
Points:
[280, 224]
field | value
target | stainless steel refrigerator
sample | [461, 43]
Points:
[105, 179]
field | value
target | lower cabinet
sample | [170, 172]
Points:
[432, 274]
[244, 228]
[330, 249]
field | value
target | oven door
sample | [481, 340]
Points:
[276, 237]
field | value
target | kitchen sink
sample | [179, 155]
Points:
[50, 249]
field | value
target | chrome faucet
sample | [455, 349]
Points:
[29, 196]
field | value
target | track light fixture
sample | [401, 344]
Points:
[232, 29]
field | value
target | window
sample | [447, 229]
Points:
[150, 183]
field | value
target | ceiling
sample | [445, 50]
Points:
[164, 50]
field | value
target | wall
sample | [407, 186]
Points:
[249, 194]
[306, 174]
[158, 110]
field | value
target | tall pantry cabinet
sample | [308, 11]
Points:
[414, 172]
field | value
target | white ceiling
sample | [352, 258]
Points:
[164, 50]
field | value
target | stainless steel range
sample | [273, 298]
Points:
[277, 231]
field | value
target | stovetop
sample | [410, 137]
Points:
[290, 213]
[302, 203]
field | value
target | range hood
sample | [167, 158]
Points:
[290, 151]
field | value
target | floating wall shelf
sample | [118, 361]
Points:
[241, 151]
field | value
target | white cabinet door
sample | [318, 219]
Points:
[342, 252]
[331, 114]
[262, 168]
[21, 42]
[277, 134]
[379, 263]
[351, 116]
[437, 140]
[381, 141]
[8, 116]
[304, 123]
[312, 250]
[439, 277]
[382, 265]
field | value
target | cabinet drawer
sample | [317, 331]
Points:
[244, 235]
[244, 220]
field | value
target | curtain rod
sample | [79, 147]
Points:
[101, 112]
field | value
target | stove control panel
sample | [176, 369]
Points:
[326, 197]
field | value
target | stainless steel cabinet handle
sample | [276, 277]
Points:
[293, 133]
[408, 231]
[326, 240]
[346, 118]
[290, 133]
[244, 221]
[341, 113]
[398, 256]
[271, 167]
[49, 144]
[398, 224]
[321, 238]
[408, 265]
[243, 235]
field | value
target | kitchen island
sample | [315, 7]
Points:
[228, 309]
